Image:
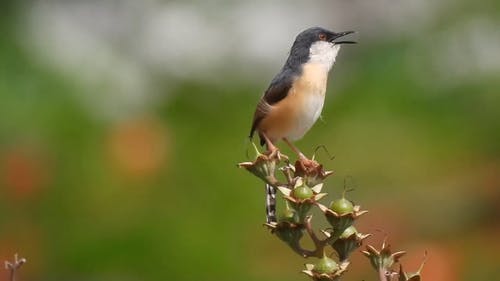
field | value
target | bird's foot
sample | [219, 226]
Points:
[311, 171]
[306, 163]
[274, 153]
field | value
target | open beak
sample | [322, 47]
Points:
[341, 34]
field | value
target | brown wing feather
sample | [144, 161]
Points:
[260, 112]
[277, 91]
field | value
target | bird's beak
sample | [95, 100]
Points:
[341, 34]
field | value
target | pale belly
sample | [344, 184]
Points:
[306, 116]
[292, 117]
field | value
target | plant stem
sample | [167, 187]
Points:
[12, 275]
[319, 244]
[381, 274]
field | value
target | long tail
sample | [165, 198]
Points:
[270, 203]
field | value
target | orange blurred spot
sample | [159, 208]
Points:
[138, 148]
[24, 171]
[385, 221]
[443, 263]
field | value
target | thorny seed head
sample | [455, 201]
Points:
[264, 167]
[325, 269]
[412, 276]
[300, 192]
[348, 241]
[312, 172]
[301, 197]
[288, 232]
[341, 221]
[383, 259]
[325, 265]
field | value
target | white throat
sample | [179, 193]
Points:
[323, 53]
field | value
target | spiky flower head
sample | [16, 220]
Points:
[383, 259]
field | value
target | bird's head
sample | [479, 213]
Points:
[318, 44]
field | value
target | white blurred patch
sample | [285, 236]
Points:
[469, 49]
[84, 42]
[116, 49]
[464, 52]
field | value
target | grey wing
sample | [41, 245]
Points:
[277, 90]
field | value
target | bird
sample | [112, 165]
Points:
[295, 97]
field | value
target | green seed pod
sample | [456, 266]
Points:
[348, 232]
[341, 216]
[342, 206]
[302, 192]
[289, 233]
[288, 215]
[347, 242]
[325, 265]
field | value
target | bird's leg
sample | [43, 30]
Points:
[306, 165]
[271, 148]
[295, 149]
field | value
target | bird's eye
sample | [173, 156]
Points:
[322, 36]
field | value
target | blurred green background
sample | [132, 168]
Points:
[121, 123]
